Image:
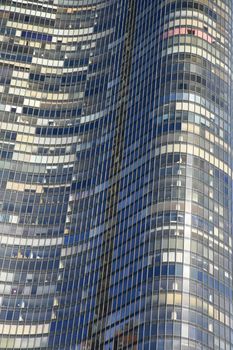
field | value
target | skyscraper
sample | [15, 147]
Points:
[116, 174]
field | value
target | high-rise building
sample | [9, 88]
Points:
[116, 175]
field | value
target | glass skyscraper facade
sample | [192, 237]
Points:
[116, 174]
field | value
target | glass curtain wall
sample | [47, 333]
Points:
[115, 174]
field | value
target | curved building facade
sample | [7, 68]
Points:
[116, 175]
